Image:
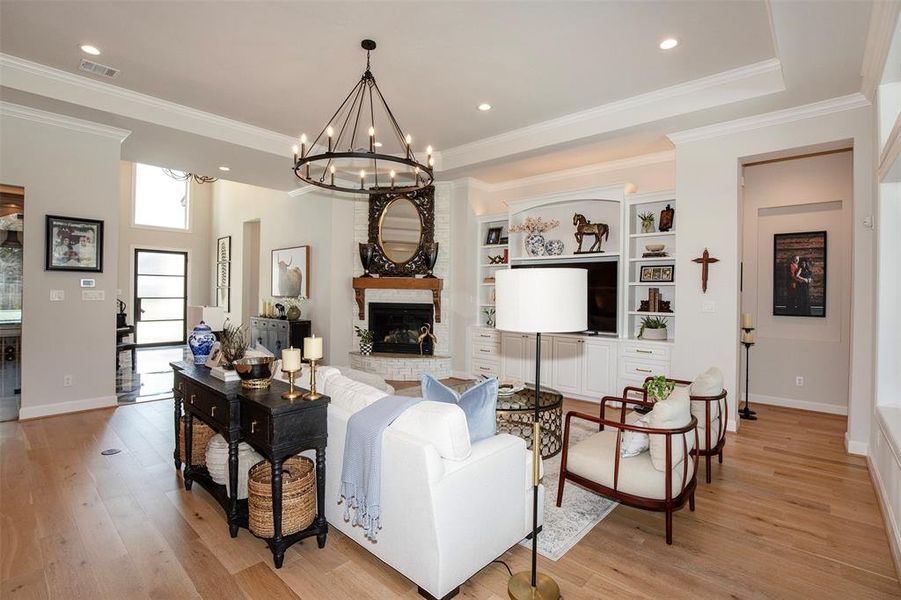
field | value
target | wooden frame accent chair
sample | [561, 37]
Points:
[639, 481]
[712, 421]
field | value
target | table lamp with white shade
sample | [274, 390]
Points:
[539, 300]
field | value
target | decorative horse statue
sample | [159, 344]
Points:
[425, 333]
[585, 227]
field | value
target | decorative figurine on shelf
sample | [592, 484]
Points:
[647, 222]
[366, 252]
[366, 337]
[489, 316]
[201, 342]
[705, 260]
[426, 335]
[666, 218]
[431, 253]
[585, 227]
[496, 260]
[535, 227]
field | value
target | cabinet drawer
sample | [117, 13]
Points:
[255, 425]
[634, 368]
[482, 336]
[483, 351]
[178, 385]
[486, 368]
[210, 405]
[645, 351]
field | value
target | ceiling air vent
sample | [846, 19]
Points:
[93, 68]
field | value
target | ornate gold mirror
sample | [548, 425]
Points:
[400, 230]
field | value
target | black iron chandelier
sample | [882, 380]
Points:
[342, 163]
[185, 176]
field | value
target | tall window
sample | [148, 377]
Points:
[159, 201]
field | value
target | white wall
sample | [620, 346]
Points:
[806, 194]
[67, 168]
[196, 242]
[315, 219]
[708, 195]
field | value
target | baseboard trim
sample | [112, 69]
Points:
[858, 448]
[821, 407]
[61, 408]
[891, 526]
[731, 425]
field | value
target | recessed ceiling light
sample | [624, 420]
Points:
[484, 106]
[89, 49]
[669, 44]
[224, 168]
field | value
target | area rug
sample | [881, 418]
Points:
[580, 512]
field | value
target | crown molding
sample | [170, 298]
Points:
[778, 117]
[27, 113]
[568, 174]
[746, 82]
[883, 20]
[42, 80]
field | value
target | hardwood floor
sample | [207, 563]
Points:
[789, 515]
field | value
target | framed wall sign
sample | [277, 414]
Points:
[73, 244]
[656, 274]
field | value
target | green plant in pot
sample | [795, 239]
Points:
[366, 337]
[294, 305]
[647, 222]
[653, 328]
[658, 387]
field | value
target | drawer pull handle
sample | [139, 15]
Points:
[253, 427]
[181, 386]
[643, 370]
[192, 398]
[213, 411]
[485, 351]
[644, 351]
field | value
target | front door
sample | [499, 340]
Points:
[161, 290]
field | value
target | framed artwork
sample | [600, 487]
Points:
[223, 272]
[223, 298]
[799, 274]
[73, 244]
[291, 272]
[494, 236]
[223, 275]
[657, 274]
[224, 249]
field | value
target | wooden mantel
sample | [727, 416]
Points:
[361, 284]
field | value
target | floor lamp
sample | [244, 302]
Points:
[539, 300]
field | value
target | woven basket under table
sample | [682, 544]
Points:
[200, 437]
[298, 496]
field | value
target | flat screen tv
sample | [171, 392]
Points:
[603, 282]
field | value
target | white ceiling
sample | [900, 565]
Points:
[285, 66]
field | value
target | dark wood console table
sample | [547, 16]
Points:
[275, 427]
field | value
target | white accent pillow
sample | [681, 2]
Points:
[351, 395]
[708, 383]
[672, 413]
[635, 442]
[441, 424]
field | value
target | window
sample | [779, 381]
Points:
[159, 200]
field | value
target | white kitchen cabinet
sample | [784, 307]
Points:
[599, 368]
[513, 356]
[547, 360]
[567, 365]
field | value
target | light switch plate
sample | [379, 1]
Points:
[93, 295]
[57, 295]
[708, 306]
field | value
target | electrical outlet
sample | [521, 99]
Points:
[799, 381]
[708, 306]
[57, 295]
[67, 381]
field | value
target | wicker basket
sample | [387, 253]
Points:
[298, 496]
[200, 437]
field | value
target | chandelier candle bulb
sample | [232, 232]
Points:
[409, 140]
[329, 131]
[332, 172]
[303, 144]
[312, 348]
[362, 178]
[291, 359]
[372, 139]
[294, 149]
[392, 178]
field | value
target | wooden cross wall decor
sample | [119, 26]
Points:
[705, 260]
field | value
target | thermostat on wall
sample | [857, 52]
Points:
[87, 283]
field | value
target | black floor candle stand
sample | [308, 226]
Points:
[746, 412]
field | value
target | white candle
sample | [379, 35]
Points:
[312, 348]
[329, 132]
[291, 359]
[393, 174]
[746, 320]
[372, 139]
[303, 144]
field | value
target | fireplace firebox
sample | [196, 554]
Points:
[396, 327]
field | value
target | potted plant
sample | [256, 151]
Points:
[658, 387]
[535, 227]
[232, 343]
[366, 337]
[653, 328]
[647, 222]
[294, 305]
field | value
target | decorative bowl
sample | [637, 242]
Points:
[255, 371]
[655, 247]
[508, 388]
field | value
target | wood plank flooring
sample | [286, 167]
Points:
[789, 515]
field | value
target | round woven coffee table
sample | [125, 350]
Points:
[516, 412]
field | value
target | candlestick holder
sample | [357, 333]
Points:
[312, 394]
[746, 412]
[291, 394]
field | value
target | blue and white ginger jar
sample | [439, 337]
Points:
[201, 342]
[535, 245]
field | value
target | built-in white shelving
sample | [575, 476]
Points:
[485, 290]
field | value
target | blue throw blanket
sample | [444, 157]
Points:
[361, 473]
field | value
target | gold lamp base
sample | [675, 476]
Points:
[520, 587]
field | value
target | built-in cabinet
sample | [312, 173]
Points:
[277, 334]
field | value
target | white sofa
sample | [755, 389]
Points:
[448, 509]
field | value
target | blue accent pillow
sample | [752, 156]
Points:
[479, 404]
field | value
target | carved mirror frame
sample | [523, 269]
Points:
[424, 201]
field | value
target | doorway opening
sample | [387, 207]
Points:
[12, 221]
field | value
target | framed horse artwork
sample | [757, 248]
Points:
[584, 228]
